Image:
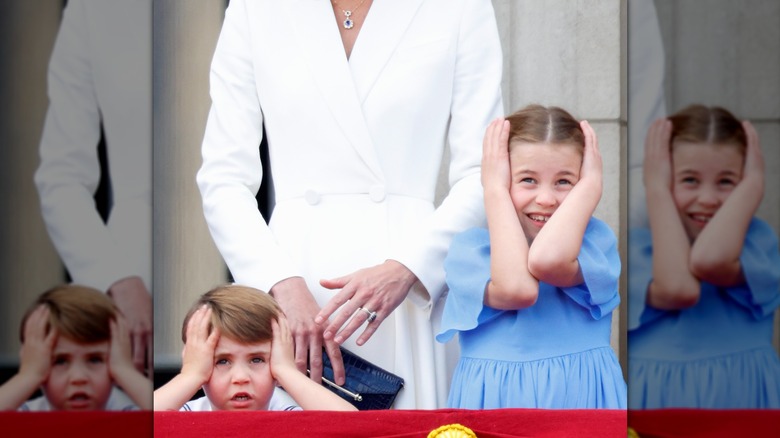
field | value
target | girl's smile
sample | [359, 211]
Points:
[704, 175]
[542, 176]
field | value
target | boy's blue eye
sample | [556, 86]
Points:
[257, 360]
[59, 361]
[528, 180]
[95, 359]
[564, 182]
[689, 180]
[222, 361]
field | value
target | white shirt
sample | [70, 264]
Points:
[117, 401]
[280, 401]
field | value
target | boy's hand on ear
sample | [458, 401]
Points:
[120, 355]
[35, 361]
[36, 353]
[120, 365]
[198, 352]
[282, 354]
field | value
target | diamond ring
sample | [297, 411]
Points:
[371, 315]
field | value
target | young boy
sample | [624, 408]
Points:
[237, 347]
[76, 349]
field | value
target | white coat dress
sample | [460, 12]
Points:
[100, 76]
[355, 148]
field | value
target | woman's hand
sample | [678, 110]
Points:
[657, 167]
[372, 292]
[135, 302]
[300, 308]
[496, 173]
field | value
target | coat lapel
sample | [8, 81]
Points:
[315, 28]
[385, 25]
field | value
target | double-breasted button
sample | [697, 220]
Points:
[377, 193]
[311, 197]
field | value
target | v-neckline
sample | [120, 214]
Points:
[349, 55]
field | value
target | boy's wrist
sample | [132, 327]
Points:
[194, 380]
[285, 372]
[32, 377]
[121, 371]
[197, 378]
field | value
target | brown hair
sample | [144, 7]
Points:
[713, 125]
[80, 313]
[539, 124]
[241, 313]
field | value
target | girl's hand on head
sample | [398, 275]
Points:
[657, 166]
[35, 356]
[198, 352]
[496, 173]
[282, 352]
[591, 169]
[754, 158]
[121, 352]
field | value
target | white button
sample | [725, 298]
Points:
[312, 197]
[377, 193]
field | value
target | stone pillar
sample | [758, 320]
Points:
[28, 262]
[186, 261]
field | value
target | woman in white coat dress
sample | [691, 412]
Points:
[356, 129]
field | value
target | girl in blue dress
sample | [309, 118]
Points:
[705, 284]
[531, 296]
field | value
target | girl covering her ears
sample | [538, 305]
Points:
[705, 278]
[531, 296]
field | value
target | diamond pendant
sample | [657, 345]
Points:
[348, 23]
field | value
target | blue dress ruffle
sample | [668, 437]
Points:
[717, 354]
[554, 354]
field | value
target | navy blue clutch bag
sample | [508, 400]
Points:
[367, 386]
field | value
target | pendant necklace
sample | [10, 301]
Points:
[348, 23]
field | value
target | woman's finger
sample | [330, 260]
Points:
[361, 316]
[343, 314]
[338, 300]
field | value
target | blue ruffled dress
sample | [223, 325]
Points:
[555, 354]
[717, 354]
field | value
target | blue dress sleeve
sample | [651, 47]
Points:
[760, 261]
[467, 271]
[600, 265]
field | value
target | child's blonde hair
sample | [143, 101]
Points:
[239, 312]
[539, 124]
[712, 125]
[80, 313]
